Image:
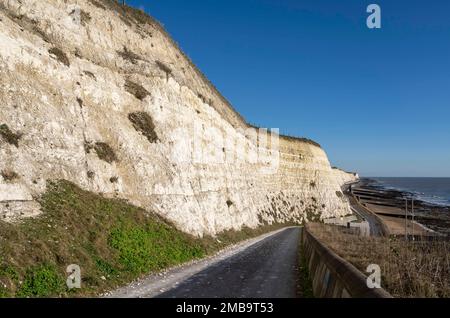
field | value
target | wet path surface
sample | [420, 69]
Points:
[268, 268]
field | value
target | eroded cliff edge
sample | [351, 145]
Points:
[99, 94]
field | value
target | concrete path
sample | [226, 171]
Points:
[266, 266]
[267, 269]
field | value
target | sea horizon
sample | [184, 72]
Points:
[433, 190]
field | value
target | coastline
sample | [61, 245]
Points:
[430, 219]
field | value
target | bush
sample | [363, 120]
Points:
[105, 152]
[137, 90]
[9, 136]
[129, 56]
[163, 67]
[60, 56]
[9, 175]
[143, 123]
[41, 281]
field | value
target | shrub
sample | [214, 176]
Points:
[163, 67]
[105, 152]
[113, 179]
[60, 56]
[41, 281]
[143, 123]
[229, 202]
[129, 55]
[9, 136]
[137, 90]
[9, 175]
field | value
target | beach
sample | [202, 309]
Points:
[423, 219]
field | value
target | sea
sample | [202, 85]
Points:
[431, 190]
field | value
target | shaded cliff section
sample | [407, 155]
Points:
[99, 94]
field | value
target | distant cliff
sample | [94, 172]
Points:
[100, 95]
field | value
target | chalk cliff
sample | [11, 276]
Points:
[100, 95]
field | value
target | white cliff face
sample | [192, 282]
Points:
[121, 111]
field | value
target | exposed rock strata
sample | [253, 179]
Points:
[106, 100]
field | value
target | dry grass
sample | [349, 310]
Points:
[9, 136]
[409, 269]
[9, 175]
[137, 90]
[103, 150]
[163, 67]
[130, 56]
[143, 123]
[60, 56]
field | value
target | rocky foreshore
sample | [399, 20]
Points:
[391, 204]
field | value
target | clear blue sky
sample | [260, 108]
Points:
[377, 100]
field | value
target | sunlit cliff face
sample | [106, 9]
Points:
[102, 97]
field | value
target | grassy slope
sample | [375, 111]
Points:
[112, 241]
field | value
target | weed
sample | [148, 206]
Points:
[105, 152]
[409, 269]
[129, 56]
[41, 281]
[137, 90]
[60, 56]
[143, 123]
[9, 136]
[9, 175]
[163, 67]
[305, 287]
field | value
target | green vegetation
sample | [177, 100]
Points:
[112, 241]
[143, 123]
[60, 56]
[41, 281]
[8, 136]
[151, 247]
[305, 288]
[104, 152]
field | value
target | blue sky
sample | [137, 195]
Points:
[377, 100]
